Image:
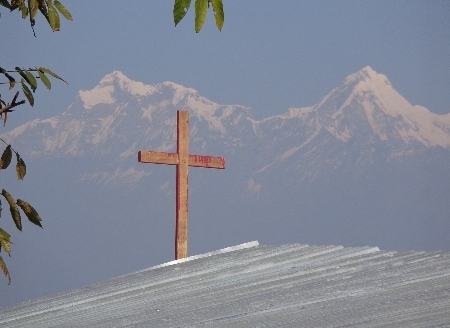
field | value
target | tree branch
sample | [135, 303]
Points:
[8, 107]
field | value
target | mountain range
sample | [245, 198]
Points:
[361, 167]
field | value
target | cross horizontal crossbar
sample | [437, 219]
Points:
[172, 159]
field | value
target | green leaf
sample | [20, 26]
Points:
[23, 75]
[218, 13]
[201, 9]
[27, 93]
[12, 82]
[44, 79]
[5, 241]
[30, 212]
[33, 9]
[5, 270]
[21, 168]
[6, 158]
[46, 70]
[62, 10]
[32, 79]
[13, 209]
[43, 9]
[24, 9]
[180, 9]
[53, 17]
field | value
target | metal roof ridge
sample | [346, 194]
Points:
[195, 257]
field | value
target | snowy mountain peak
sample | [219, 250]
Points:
[103, 92]
[369, 81]
[367, 98]
[117, 93]
[177, 87]
[364, 86]
[115, 76]
[120, 80]
[365, 74]
[371, 86]
[106, 91]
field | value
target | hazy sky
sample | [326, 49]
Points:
[270, 55]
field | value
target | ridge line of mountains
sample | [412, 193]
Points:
[364, 109]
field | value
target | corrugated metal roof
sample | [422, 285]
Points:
[260, 286]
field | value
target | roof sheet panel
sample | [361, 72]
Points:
[251, 285]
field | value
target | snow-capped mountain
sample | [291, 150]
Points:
[119, 117]
[370, 97]
[361, 167]
[122, 110]
[364, 117]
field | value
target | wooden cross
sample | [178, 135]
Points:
[182, 159]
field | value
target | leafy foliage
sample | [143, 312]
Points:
[28, 81]
[29, 8]
[219, 15]
[181, 7]
[30, 212]
[201, 9]
[14, 206]
[5, 270]
[21, 168]
[13, 209]
[5, 242]
[6, 157]
[48, 8]
[33, 217]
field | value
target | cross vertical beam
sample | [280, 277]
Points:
[182, 159]
[181, 233]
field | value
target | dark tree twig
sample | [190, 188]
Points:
[7, 108]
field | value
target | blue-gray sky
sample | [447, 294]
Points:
[270, 55]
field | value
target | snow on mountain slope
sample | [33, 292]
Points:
[124, 112]
[388, 113]
[366, 112]
[120, 116]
